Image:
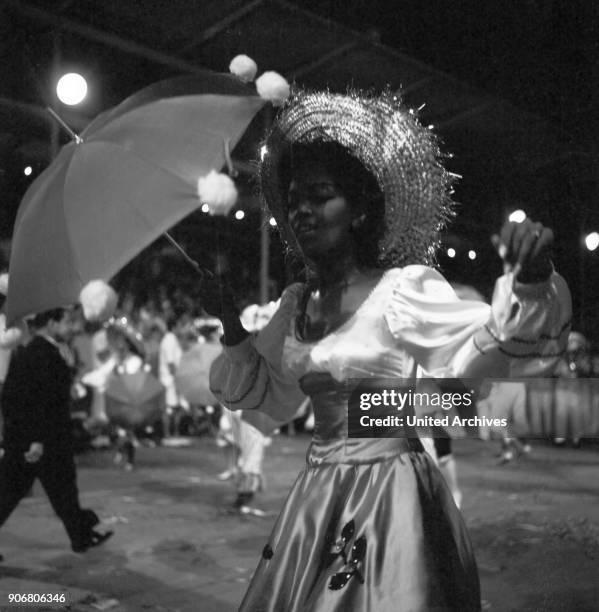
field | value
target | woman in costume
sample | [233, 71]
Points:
[357, 189]
[127, 357]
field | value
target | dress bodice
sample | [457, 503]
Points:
[331, 442]
[363, 347]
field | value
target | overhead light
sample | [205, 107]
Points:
[451, 252]
[272, 221]
[71, 89]
[472, 254]
[239, 215]
[517, 216]
[28, 170]
[592, 241]
[205, 208]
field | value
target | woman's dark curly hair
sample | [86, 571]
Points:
[356, 182]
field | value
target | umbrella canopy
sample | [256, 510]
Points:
[131, 175]
[133, 399]
[193, 373]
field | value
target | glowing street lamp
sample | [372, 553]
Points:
[451, 252]
[71, 89]
[472, 254]
[592, 241]
[517, 216]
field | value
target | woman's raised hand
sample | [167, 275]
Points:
[525, 249]
[217, 296]
[218, 300]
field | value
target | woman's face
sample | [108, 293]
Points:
[318, 212]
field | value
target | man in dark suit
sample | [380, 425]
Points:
[37, 430]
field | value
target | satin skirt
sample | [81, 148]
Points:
[369, 526]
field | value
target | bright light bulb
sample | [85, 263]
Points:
[239, 214]
[28, 170]
[592, 241]
[272, 221]
[472, 254]
[450, 252]
[517, 216]
[205, 208]
[71, 88]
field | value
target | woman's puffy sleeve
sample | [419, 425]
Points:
[522, 333]
[250, 376]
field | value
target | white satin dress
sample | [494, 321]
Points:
[369, 524]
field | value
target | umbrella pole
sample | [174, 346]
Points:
[194, 264]
[67, 129]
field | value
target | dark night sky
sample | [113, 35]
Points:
[539, 54]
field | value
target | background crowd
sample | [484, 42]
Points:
[158, 334]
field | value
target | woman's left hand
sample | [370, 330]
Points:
[525, 250]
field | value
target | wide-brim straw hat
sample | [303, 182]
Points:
[388, 139]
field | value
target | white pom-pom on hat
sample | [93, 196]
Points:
[273, 87]
[98, 300]
[218, 191]
[244, 67]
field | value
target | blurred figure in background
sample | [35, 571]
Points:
[38, 433]
[10, 338]
[153, 331]
[128, 358]
[168, 361]
[245, 443]
[507, 400]
[573, 402]
[123, 355]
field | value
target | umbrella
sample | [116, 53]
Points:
[193, 373]
[133, 399]
[130, 175]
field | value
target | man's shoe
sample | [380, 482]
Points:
[95, 538]
[99, 538]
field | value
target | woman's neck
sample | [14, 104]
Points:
[335, 271]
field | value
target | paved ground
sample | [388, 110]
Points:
[534, 524]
